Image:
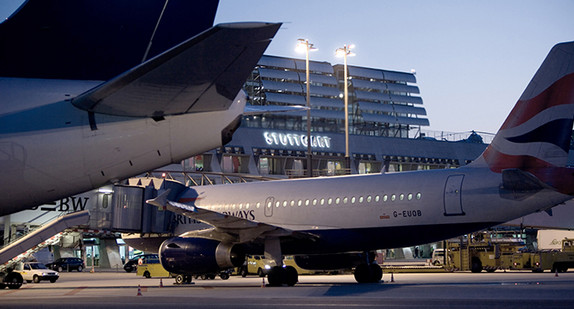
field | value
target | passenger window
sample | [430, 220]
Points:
[322, 201]
[337, 200]
[385, 198]
[314, 201]
[377, 198]
[360, 199]
[402, 196]
[330, 201]
[299, 203]
[393, 197]
[345, 200]
[369, 198]
[419, 195]
[353, 200]
[410, 196]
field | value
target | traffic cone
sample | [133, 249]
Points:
[139, 290]
[92, 270]
[160, 283]
[556, 273]
[392, 278]
[263, 282]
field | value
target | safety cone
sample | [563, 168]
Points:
[139, 290]
[263, 282]
[160, 283]
[392, 278]
[92, 270]
[556, 273]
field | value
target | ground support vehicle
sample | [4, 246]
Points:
[152, 268]
[259, 265]
[553, 260]
[480, 251]
[36, 272]
[10, 279]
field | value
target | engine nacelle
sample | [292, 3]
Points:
[182, 255]
[329, 261]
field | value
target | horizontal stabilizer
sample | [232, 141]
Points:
[202, 74]
[251, 110]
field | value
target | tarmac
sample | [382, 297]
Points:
[506, 290]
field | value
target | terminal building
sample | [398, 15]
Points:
[387, 123]
[387, 133]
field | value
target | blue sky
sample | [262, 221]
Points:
[473, 58]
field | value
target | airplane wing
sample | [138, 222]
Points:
[243, 230]
[202, 74]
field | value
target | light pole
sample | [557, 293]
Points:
[345, 51]
[303, 44]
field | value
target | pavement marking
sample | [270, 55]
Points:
[76, 291]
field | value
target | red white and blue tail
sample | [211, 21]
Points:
[537, 133]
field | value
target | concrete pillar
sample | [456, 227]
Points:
[110, 254]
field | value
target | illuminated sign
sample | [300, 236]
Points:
[296, 140]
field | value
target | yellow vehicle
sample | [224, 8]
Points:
[554, 260]
[152, 268]
[258, 264]
[481, 251]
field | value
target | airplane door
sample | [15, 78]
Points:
[269, 206]
[452, 196]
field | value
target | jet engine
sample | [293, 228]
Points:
[187, 255]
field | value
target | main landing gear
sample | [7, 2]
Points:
[370, 271]
[279, 275]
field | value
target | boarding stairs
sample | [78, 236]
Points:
[33, 242]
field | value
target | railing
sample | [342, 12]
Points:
[201, 178]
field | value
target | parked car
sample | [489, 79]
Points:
[67, 264]
[133, 263]
[36, 272]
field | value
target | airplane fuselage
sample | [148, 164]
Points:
[50, 149]
[368, 212]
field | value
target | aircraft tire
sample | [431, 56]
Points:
[362, 273]
[376, 273]
[179, 279]
[291, 276]
[276, 276]
[12, 280]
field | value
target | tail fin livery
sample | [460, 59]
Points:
[537, 132]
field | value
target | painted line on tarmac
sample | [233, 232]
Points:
[76, 291]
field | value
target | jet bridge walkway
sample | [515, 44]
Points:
[40, 238]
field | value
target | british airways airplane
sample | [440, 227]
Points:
[332, 221]
[95, 91]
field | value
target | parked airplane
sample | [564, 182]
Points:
[94, 91]
[331, 219]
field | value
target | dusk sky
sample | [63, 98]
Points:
[472, 59]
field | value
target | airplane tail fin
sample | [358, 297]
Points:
[537, 133]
